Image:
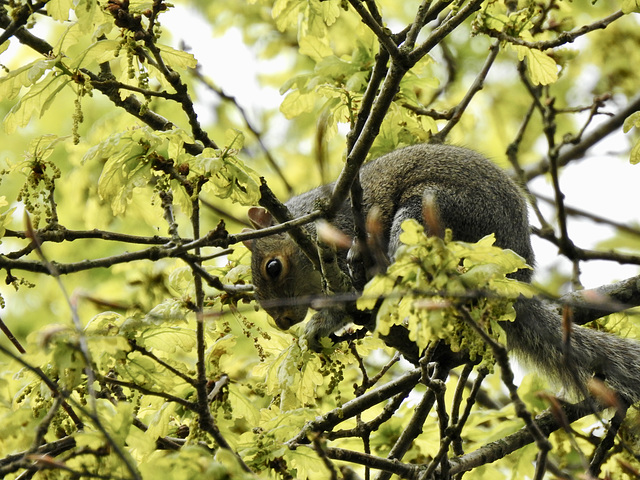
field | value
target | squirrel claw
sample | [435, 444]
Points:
[323, 324]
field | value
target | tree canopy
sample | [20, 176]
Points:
[132, 346]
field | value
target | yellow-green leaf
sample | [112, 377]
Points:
[631, 121]
[59, 9]
[120, 176]
[635, 153]
[99, 52]
[630, 6]
[177, 59]
[542, 69]
[25, 76]
[315, 47]
[229, 177]
[37, 100]
[296, 103]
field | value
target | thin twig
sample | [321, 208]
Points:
[477, 85]
[16, 343]
[147, 391]
[353, 407]
[383, 35]
[579, 150]
[502, 358]
[249, 124]
[215, 238]
[562, 39]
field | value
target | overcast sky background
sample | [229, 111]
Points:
[603, 184]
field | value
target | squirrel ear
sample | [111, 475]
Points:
[248, 243]
[260, 218]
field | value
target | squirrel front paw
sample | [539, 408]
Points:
[323, 324]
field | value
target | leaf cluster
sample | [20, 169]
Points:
[431, 278]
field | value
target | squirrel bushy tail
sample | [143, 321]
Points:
[537, 338]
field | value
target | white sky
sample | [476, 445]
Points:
[603, 184]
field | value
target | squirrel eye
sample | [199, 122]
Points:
[273, 268]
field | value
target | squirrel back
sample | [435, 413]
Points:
[472, 197]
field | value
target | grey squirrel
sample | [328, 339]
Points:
[473, 198]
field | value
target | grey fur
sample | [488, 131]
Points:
[473, 198]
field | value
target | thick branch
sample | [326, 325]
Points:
[443, 30]
[578, 253]
[546, 422]
[361, 147]
[61, 234]
[15, 27]
[390, 87]
[133, 106]
[589, 305]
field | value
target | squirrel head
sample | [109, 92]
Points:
[282, 275]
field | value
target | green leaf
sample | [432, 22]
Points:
[99, 52]
[424, 286]
[121, 175]
[89, 14]
[38, 99]
[635, 153]
[377, 287]
[234, 140]
[25, 76]
[296, 103]
[171, 311]
[105, 323]
[170, 339]
[242, 406]
[502, 263]
[285, 13]
[42, 147]
[5, 217]
[314, 47]
[228, 176]
[127, 161]
[542, 69]
[59, 9]
[177, 59]
[631, 121]
[630, 6]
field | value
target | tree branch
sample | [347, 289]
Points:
[14, 26]
[547, 422]
[215, 238]
[385, 39]
[562, 39]
[589, 305]
[355, 406]
[478, 83]
[414, 427]
[596, 135]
